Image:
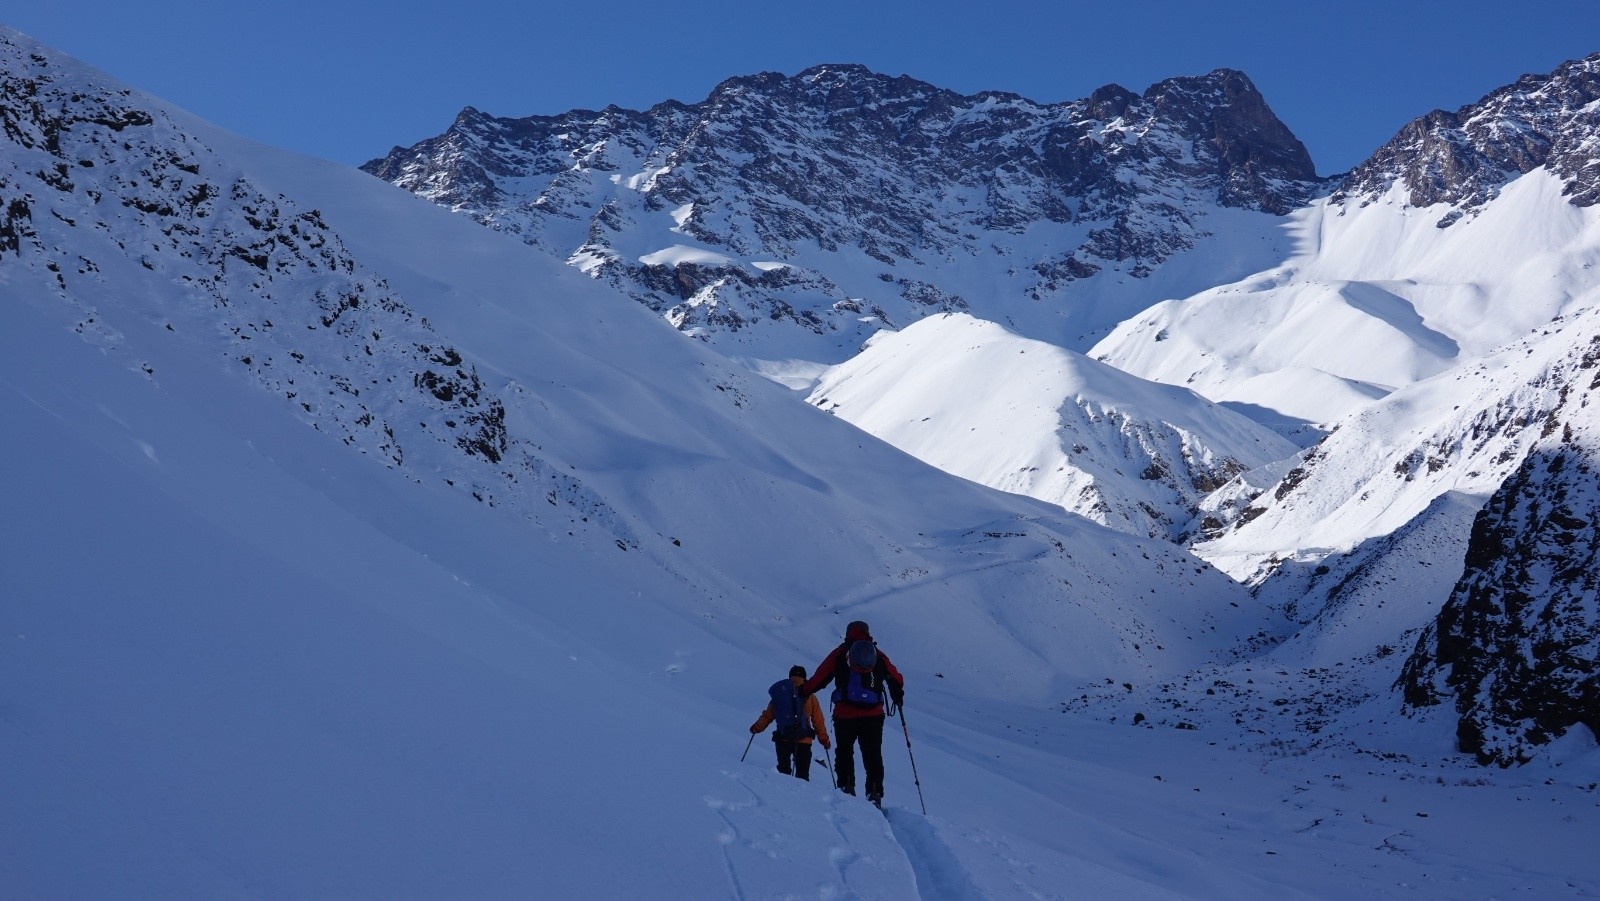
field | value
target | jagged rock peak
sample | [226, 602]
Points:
[1221, 108]
[1110, 101]
[1463, 158]
[1248, 135]
[677, 204]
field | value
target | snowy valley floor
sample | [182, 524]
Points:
[265, 669]
[1061, 806]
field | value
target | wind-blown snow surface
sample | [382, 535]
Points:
[976, 400]
[1459, 434]
[1376, 296]
[273, 626]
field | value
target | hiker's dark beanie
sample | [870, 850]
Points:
[797, 671]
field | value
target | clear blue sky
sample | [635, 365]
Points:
[348, 80]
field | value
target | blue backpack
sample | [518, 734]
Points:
[860, 679]
[789, 712]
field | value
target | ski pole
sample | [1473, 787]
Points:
[828, 762]
[747, 747]
[914, 777]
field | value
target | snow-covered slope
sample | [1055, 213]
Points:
[790, 217]
[360, 549]
[1457, 270]
[350, 551]
[1422, 260]
[549, 400]
[1362, 543]
[974, 399]
[1461, 433]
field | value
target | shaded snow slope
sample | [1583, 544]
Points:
[241, 661]
[974, 399]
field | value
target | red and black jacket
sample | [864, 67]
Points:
[835, 667]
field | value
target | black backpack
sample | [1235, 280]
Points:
[789, 712]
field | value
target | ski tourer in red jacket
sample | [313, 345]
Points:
[861, 675]
[834, 668]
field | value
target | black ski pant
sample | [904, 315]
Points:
[868, 730]
[800, 751]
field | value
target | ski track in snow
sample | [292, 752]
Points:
[733, 835]
[870, 596]
[780, 847]
[940, 875]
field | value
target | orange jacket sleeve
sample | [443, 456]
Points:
[814, 707]
[762, 722]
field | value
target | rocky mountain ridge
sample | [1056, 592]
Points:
[816, 201]
[1463, 158]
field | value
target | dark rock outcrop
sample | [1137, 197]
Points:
[1518, 643]
[1465, 157]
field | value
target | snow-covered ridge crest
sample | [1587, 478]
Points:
[890, 199]
[1020, 415]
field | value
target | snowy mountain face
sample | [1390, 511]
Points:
[1032, 418]
[1418, 463]
[1467, 231]
[1362, 542]
[108, 202]
[1464, 431]
[791, 217]
[1440, 316]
